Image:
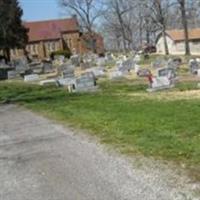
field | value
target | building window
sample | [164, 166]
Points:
[33, 48]
[70, 43]
[53, 46]
[195, 43]
[49, 46]
[28, 48]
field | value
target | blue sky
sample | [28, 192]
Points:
[40, 9]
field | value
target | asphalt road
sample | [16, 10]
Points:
[42, 160]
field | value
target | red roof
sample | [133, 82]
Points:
[51, 29]
[178, 35]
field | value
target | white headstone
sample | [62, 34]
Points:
[116, 74]
[66, 81]
[12, 74]
[97, 71]
[32, 77]
[159, 82]
[198, 72]
[137, 58]
[137, 68]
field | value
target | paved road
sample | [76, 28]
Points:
[41, 160]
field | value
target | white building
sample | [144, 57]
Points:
[176, 44]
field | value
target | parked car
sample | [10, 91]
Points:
[149, 49]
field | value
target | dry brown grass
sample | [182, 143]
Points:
[168, 95]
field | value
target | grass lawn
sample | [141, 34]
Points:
[167, 129]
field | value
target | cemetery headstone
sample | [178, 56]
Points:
[68, 72]
[97, 71]
[31, 78]
[66, 81]
[165, 79]
[65, 66]
[198, 72]
[137, 68]
[48, 67]
[86, 65]
[143, 72]
[174, 63]
[167, 72]
[21, 65]
[101, 62]
[126, 66]
[109, 57]
[67, 76]
[159, 63]
[137, 58]
[160, 83]
[75, 60]
[36, 67]
[194, 66]
[4, 71]
[12, 74]
[116, 74]
[85, 83]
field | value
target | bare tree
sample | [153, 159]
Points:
[147, 25]
[88, 11]
[182, 5]
[118, 19]
[159, 15]
[129, 23]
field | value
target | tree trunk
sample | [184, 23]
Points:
[26, 55]
[6, 53]
[165, 42]
[147, 37]
[140, 34]
[93, 41]
[124, 44]
[94, 46]
[118, 44]
[185, 26]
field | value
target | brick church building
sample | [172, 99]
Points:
[46, 37]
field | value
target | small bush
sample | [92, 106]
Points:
[66, 53]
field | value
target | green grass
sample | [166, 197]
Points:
[186, 86]
[163, 129]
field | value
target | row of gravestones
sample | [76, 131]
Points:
[172, 62]
[68, 77]
[20, 68]
[165, 78]
[84, 82]
[194, 64]
[166, 74]
[123, 67]
[90, 60]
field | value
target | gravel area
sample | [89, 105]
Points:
[42, 160]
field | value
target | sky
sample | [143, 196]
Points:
[35, 10]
